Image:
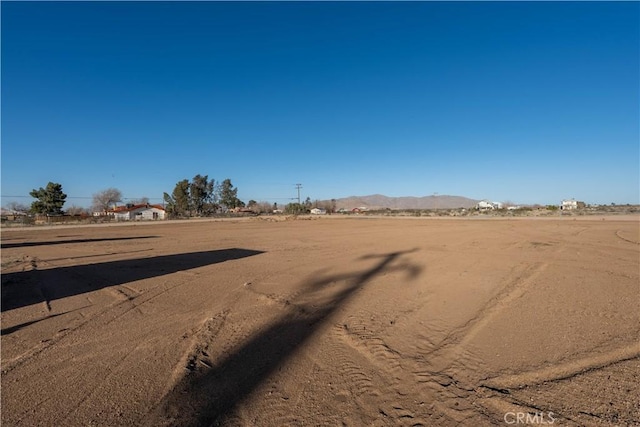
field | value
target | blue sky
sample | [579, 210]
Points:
[526, 102]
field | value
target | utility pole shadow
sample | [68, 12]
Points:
[209, 397]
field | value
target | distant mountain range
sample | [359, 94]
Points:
[378, 201]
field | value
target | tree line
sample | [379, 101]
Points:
[201, 197]
[197, 197]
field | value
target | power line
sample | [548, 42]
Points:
[277, 198]
[31, 197]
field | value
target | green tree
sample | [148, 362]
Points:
[295, 209]
[169, 204]
[201, 192]
[178, 203]
[50, 199]
[229, 195]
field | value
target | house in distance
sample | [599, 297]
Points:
[138, 212]
[571, 204]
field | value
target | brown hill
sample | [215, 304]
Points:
[378, 201]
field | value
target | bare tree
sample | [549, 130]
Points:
[105, 199]
[18, 207]
[140, 201]
[75, 210]
[260, 207]
[328, 205]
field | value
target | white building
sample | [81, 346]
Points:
[487, 205]
[318, 211]
[569, 204]
[139, 213]
[103, 213]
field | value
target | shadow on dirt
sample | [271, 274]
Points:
[62, 242]
[42, 286]
[209, 397]
[16, 328]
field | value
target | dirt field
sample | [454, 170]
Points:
[332, 321]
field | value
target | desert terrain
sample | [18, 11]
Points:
[327, 321]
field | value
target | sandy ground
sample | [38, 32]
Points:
[333, 321]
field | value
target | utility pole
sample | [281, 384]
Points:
[298, 187]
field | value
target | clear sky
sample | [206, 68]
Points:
[526, 102]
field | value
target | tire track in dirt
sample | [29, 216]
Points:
[109, 314]
[11, 364]
[136, 300]
[626, 239]
[494, 395]
[425, 374]
[453, 345]
[284, 301]
[405, 401]
[444, 368]
[384, 381]
[359, 338]
[605, 395]
[67, 418]
[412, 378]
[199, 353]
[564, 370]
[502, 408]
[25, 413]
[279, 399]
[277, 408]
[362, 372]
[365, 384]
[358, 382]
[213, 341]
[354, 333]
